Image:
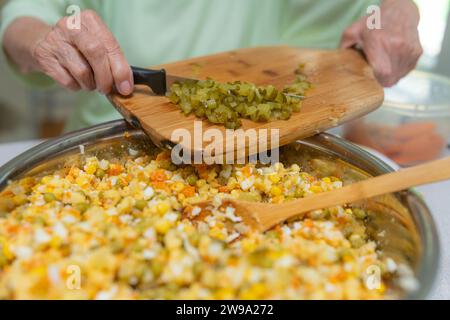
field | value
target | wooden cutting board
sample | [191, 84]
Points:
[344, 88]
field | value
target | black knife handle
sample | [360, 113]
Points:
[155, 79]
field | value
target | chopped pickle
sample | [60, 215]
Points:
[227, 103]
[140, 204]
[192, 179]
[49, 197]
[82, 207]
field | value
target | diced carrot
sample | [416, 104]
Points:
[224, 189]
[12, 229]
[202, 170]
[161, 185]
[312, 261]
[7, 193]
[308, 223]
[188, 191]
[115, 169]
[232, 261]
[201, 166]
[296, 283]
[158, 175]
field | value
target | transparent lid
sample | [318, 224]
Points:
[421, 93]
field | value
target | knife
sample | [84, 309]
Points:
[157, 80]
[160, 82]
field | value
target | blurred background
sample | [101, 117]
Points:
[35, 114]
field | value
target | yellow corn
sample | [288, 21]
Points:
[216, 233]
[162, 226]
[91, 168]
[275, 178]
[316, 189]
[326, 180]
[177, 186]
[162, 207]
[275, 191]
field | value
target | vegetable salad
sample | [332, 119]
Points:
[131, 230]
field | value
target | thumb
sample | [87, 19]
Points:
[351, 36]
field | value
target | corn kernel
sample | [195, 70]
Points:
[278, 199]
[216, 233]
[274, 178]
[46, 179]
[162, 207]
[275, 191]
[224, 294]
[326, 180]
[256, 291]
[177, 186]
[55, 242]
[82, 181]
[19, 199]
[382, 288]
[316, 189]
[77, 197]
[200, 183]
[162, 226]
[91, 168]
[248, 245]
[7, 252]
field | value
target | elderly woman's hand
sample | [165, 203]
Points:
[394, 49]
[86, 58]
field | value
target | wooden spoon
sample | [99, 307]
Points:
[263, 216]
[344, 89]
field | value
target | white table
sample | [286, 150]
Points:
[437, 197]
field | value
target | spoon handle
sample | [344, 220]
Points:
[434, 171]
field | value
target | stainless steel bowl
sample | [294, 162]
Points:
[401, 223]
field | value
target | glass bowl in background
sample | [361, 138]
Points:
[412, 125]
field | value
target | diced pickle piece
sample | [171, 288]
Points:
[225, 103]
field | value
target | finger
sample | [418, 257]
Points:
[123, 77]
[404, 52]
[380, 60]
[90, 46]
[407, 60]
[47, 60]
[351, 36]
[74, 62]
[400, 55]
[60, 74]
[121, 71]
[95, 53]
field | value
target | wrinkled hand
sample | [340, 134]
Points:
[393, 50]
[88, 58]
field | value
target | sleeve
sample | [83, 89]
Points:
[49, 11]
